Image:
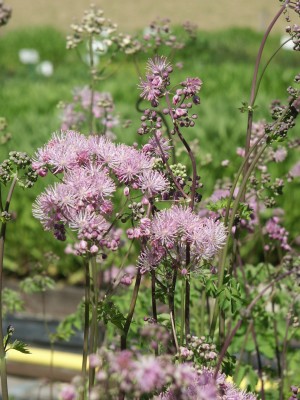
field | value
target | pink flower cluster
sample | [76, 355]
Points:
[276, 232]
[158, 378]
[125, 276]
[101, 104]
[173, 228]
[82, 201]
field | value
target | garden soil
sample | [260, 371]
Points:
[132, 14]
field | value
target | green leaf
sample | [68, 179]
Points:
[109, 312]
[20, 346]
[69, 325]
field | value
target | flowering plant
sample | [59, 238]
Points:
[182, 255]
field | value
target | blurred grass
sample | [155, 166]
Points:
[224, 60]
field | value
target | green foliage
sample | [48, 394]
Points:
[243, 211]
[18, 345]
[110, 312]
[37, 283]
[11, 301]
[72, 323]
[230, 296]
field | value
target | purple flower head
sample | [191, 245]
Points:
[159, 66]
[150, 257]
[279, 155]
[153, 149]
[191, 86]
[149, 373]
[150, 88]
[68, 392]
[153, 182]
[62, 152]
[157, 80]
[295, 171]
[164, 228]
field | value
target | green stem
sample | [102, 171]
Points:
[3, 371]
[86, 330]
[266, 66]
[248, 311]
[202, 312]
[226, 247]
[131, 310]
[92, 85]
[255, 75]
[241, 353]
[183, 299]
[94, 324]
[171, 296]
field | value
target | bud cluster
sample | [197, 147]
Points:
[16, 162]
[180, 174]
[295, 391]
[198, 348]
[284, 116]
[189, 90]
[93, 23]
[159, 34]
[157, 334]
[137, 210]
[151, 121]
[5, 13]
[5, 216]
[294, 32]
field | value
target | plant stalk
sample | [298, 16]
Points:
[3, 371]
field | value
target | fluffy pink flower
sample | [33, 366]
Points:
[153, 182]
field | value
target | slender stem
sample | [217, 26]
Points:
[237, 177]
[187, 292]
[94, 324]
[171, 296]
[183, 299]
[255, 74]
[47, 330]
[283, 370]
[153, 295]
[202, 312]
[131, 310]
[3, 372]
[86, 329]
[222, 318]
[163, 117]
[261, 48]
[241, 353]
[91, 53]
[191, 205]
[223, 256]
[266, 66]
[168, 167]
[277, 351]
[259, 363]
[174, 331]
